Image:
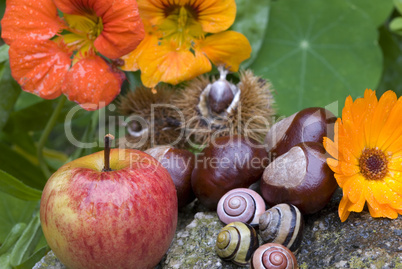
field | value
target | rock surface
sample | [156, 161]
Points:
[360, 242]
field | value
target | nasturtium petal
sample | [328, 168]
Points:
[227, 48]
[314, 57]
[161, 63]
[30, 20]
[131, 59]
[215, 15]
[122, 28]
[92, 83]
[39, 66]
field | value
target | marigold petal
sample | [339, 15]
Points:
[92, 83]
[384, 195]
[353, 188]
[371, 104]
[349, 169]
[228, 49]
[341, 179]
[347, 109]
[29, 20]
[376, 209]
[395, 163]
[331, 147]
[334, 165]
[359, 205]
[343, 211]
[395, 185]
[392, 130]
[380, 116]
[39, 67]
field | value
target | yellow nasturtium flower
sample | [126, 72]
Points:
[183, 37]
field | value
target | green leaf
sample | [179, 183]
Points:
[31, 261]
[9, 91]
[27, 242]
[316, 53]
[252, 21]
[392, 50]
[13, 211]
[5, 261]
[396, 25]
[4, 52]
[378, 12]
[19, 167]
[14, 187]
[12, 237]
[398, 5]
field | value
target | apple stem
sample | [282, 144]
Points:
[106, 167]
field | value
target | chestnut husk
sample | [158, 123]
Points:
[308, 183]
[210, 181]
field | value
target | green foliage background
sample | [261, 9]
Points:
[315, 53]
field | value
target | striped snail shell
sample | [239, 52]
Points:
[273, 256]
[236, 242]
[282, 224]
[241, 204]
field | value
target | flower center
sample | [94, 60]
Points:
[82, 31]
[181, 25]
[373, 164]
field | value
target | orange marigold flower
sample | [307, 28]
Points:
[183, 36]
[50, 55]
[367, 151]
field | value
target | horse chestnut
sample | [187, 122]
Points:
[180, 164]
[310, 124]
[300, 177]
[228, 162]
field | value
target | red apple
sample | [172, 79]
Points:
[123, 218]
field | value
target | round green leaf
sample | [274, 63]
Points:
[251, 21]
[318, 52]
[378, 11]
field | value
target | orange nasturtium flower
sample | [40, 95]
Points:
[183, 36]
[52, 54]
[367, 151]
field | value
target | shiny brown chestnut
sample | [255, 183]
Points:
[308, 125]
[180, 164]
[228, 162]
[300, 177]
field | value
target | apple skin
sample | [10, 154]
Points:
[125, 218]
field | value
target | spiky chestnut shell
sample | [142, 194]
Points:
[151, 120]
[249, 114]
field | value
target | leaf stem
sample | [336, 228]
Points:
[45, 134]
